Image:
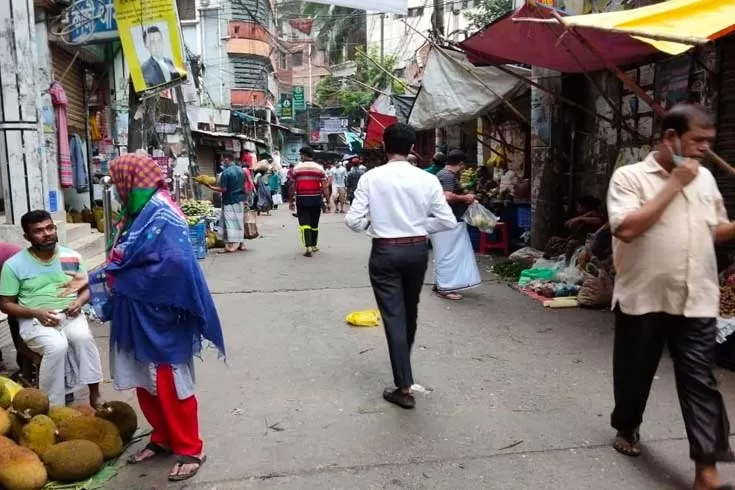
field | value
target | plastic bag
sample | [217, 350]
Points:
[478, 216]
[526, 256]
[365, 318]
[455, 266]
[251, 226]
[536, 274]
[277, 199]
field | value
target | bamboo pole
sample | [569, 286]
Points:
[369, 87]
[382, 68]
[635, 88]
[513, 108]
[693, 41]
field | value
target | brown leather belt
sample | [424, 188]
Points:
[409, 240]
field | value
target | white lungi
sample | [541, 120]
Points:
[70, 355]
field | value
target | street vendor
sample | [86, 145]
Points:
[232, 186]
[588, 220]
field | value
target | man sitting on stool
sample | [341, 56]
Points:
[34, 288]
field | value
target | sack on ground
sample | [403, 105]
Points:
[277, 199]
[596, 292]
[526, 256]
[481, 218]
[365, 318]
[455, 266]
[251, 226]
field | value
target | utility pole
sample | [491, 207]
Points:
[437, 19]
[382, 38]
[141, 120]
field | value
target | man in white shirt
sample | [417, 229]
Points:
[339, 177]
[399, 205]
[666, 214]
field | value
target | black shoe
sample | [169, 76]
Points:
[397, 397]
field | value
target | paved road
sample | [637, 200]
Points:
[521, 395]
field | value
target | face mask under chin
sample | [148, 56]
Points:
[45, 247]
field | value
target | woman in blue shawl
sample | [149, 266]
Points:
[160, 310]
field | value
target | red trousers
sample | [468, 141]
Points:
[175, 422]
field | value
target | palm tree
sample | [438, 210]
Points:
[340, 30]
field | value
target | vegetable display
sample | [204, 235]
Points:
[727, 301]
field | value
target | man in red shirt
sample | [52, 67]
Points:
[308, 177]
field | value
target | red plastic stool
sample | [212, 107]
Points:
[502, 244]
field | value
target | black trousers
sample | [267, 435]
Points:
[309, 224]
[397, 276]
[639, 343]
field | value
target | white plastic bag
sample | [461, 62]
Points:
[455, 267]
[277, 199]
[478, 216]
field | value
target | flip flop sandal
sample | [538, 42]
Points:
[182, 460]
[156, 449]
[452, 296]
[628, 446]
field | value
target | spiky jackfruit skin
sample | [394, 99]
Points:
[4, 396]
[4, 422]
[32, 400]
[83, 409]
[100, 431]
[73, 461]
[39, 434]
[17, 421]
[122, 415]
[59, 414]
[20, 468]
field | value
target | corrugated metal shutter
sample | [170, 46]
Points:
[73, 84]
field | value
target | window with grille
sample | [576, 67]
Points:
[187, 9]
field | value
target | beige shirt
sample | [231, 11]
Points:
[671, 268]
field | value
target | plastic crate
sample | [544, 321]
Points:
[198, 238]
[524, 218]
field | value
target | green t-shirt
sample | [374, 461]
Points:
[37, 284]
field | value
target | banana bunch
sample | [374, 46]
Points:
[468, 178]
[197, 209]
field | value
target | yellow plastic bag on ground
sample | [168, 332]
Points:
[366, 318]
[11, 385]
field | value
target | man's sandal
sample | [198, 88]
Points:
[628, 444]
[156, 449]
[184, 460]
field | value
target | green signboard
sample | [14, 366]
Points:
[285, 107]
[299, 101]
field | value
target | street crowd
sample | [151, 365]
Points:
[666, 214]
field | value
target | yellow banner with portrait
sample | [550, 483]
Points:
[151, 42]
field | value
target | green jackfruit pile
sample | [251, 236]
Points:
[65, 444]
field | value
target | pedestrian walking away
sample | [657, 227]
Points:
[339, 178]
[306, 199]
[160, 312]
[666, 214]
[232, 184]
[399, 205]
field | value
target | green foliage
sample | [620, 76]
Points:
[351, 96]
[488, 11]
[340, 31]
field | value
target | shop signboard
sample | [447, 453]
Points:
[299, 101]
[91, 21]
[333, 125]
[151, 39]
[285, 107]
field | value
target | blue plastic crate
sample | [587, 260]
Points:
[198, 237]
[524, 217]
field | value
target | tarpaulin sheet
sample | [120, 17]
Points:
[388, 6]
[700, 19]
[505, 41]
[450, 94]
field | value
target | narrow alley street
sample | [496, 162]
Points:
[521, 394]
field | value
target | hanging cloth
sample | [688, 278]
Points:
[79, 165]
[60, 102]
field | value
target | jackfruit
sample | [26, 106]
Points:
[4, 396]
[61, 413]
[122, 415]
[100, 431]
[39, 434]
[73, 461]
[4, 422]
[83, 409]
[17, 421]
[20, 468]
[31, 399]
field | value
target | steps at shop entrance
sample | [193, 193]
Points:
[89, 242]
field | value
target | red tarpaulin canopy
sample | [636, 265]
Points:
[506, 42]
[375, 126]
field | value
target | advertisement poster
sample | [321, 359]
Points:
[299, 102]
[103, 27]
[151, 41]
[285, 107]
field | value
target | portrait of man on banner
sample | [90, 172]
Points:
[158, 68]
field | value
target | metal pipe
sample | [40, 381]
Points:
[107, 207]
[177, 188]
